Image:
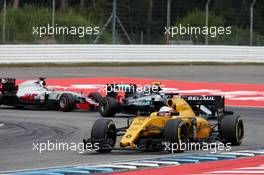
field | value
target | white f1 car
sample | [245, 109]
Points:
[35, 93]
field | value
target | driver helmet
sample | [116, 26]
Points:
[41, 83]
[165, 111]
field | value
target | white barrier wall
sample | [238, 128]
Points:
[128, 53]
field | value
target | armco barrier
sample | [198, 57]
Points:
[128, 53]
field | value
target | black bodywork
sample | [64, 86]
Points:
[132, 101]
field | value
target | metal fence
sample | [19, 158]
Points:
[116, 30]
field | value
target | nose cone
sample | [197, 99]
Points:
[133, 132]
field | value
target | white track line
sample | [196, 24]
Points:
[253, 168]
[250, 151]
[239, 154]
[138, 164]
[161, 162]
[115, 166]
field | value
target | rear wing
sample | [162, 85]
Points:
[8, 85]
[215, 103]
[7, 80]
[204, 100]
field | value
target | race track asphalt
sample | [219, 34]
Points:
[231, 73]
[20, 128]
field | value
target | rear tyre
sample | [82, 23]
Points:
[176, 134]
[97, 97]
[104, 130]
[108, 107]
[66, 103]
[232, 130]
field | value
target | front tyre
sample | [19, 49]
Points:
[66, 103]
[176, 134]
[232, 130]
[104, 130]
[108, 107]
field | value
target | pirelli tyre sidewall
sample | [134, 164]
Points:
[176, 133]
[108, 107]
[232, 130]
[66, 102]
[104, 129]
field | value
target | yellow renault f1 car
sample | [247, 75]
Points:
[188, 119]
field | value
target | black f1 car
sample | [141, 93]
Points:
[35, 93]
[128, 99]
[187, 119]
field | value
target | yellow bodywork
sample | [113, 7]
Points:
[149, 126]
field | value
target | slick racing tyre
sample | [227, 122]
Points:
[66, 103]
[232, 130]
[108, 107]
[176, 135]
[104, 131]
[97, 97]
